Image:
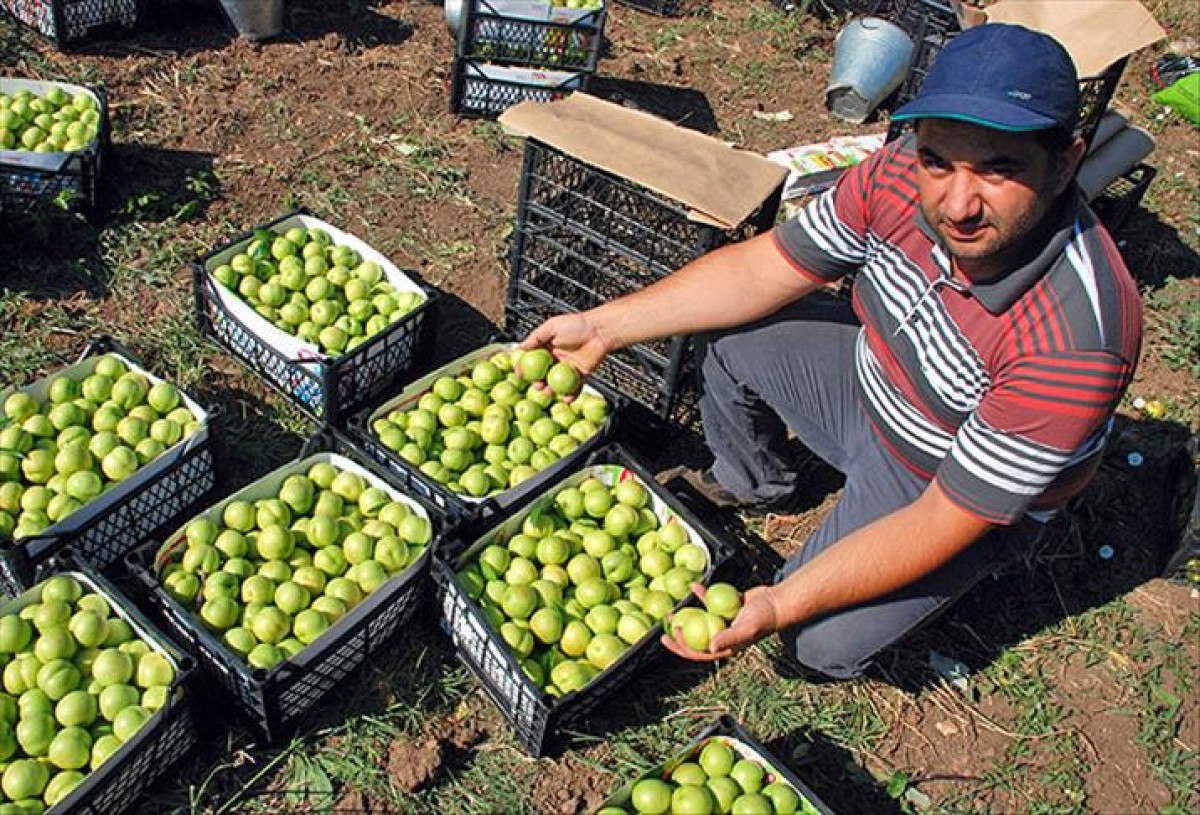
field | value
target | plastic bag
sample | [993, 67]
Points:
[1183, 97]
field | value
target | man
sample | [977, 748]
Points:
[994, 330]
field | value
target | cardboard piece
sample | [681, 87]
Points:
[721, 185]
[1096, 33]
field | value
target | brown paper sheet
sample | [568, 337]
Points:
[1096, 33]
[723, 186]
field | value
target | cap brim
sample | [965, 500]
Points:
[983, 112]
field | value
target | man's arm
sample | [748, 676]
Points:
[888, 554]
[731, 286]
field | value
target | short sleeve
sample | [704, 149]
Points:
[1043, 418]
[828, 238]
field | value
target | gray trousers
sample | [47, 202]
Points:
[795, 370]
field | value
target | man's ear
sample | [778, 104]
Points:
[1068, 164]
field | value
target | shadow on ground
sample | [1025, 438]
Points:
[54, 254]
[251, 438]
[684, 106]
[1119, 534]
[1154, 251]
[156, 184]
[833, 774]
[187, 26]
[461, 328]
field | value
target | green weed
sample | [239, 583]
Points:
[1177, 325]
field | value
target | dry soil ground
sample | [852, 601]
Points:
[1082, 695]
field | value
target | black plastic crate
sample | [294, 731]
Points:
[613, 213]
[585, 236]
[659, 377]
[503, 31]
[64, 22]
[327, 388]
[29, 180]
[275, 701]
[172, 731]
[459, 509]
[663, 8]
[1095, 94]
[116, 521]
[1119, 199]
[744, 745]
[538, 717]
[483, 89]
[930, 24]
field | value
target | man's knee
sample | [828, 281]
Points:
[829, 650]
[719, 349]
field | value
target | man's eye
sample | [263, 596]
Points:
[931, 162]
[1000, 171]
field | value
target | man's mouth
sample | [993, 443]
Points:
[964, 232]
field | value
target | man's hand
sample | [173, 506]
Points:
[572, 338]
[757, 619]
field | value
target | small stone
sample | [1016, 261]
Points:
[918, 799]
[946, 728]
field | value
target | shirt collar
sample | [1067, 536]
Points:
[999, 294]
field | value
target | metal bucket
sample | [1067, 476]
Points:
[453, 11]
[255, 19]
[870, 60]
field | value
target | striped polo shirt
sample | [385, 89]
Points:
[1001, 390]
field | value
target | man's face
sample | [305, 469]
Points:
[985, 191]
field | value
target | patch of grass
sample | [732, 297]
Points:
[1175, 313]
[755, 76]
[493, 135]
[22, 353]
[431, 172]
[1161, 690]
[669, 35]
[498, 780]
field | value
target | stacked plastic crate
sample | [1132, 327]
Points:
[586, 235]
[510, 51]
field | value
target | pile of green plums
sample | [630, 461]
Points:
[495, 425]
[78, 683]
[714, 779]
[270, 576]
[589, 574]
[303, 283]
[91, 432]
[55, 123]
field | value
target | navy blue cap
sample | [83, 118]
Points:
[1001, 76]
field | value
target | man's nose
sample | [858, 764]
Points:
[961, 201]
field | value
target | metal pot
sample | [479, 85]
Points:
[255, 19]
[870, 60]
[453, 12]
